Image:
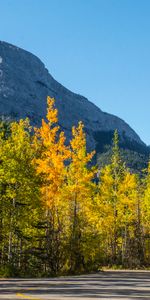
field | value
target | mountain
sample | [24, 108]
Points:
[24, 86]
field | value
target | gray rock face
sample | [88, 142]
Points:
[25, 84]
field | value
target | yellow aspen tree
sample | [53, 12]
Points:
[129, 217]
[119, 208]
[19, 189]
[146, 203]
[146, 213]
[50, 165]
[54, 154]
[105, 212]
[107, 199]
[79, 192]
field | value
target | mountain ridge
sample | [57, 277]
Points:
[25, 84]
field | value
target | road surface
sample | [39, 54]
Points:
[103, 285]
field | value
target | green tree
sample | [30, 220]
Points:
[19, 192]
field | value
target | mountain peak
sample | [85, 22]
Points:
[25, 84]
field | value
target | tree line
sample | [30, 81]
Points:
[59, 214]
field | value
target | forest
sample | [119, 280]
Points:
[59, 214]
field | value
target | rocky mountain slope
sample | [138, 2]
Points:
[24, 86]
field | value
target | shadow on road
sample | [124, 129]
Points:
[107, 285]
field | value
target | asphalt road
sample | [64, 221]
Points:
[103, 285]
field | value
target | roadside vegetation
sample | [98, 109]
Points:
[58, 213]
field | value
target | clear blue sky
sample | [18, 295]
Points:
[97, 48]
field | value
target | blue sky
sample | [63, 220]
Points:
[97, 48]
